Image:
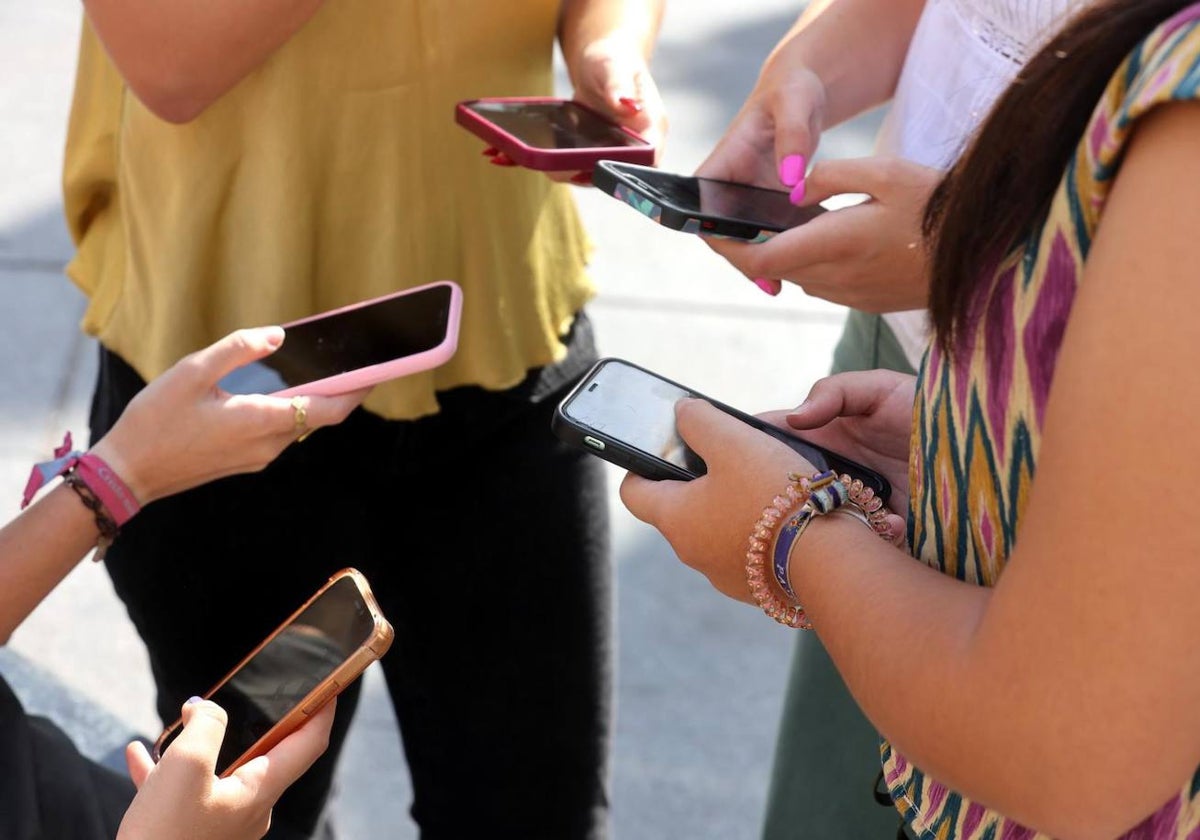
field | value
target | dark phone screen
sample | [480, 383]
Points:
[637, 408]
[369, 335]
[292, 664]
[554, 125]
[755, 206]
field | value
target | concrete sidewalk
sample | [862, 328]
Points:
[699, 677]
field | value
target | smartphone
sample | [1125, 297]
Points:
[702, 205]
[551, 134]
[358, 345]
[626, 415]
[323, 647]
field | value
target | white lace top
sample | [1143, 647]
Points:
[962, 56]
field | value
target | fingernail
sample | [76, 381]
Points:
[490, 151]
[501, 159]
[791, 170]
[797, 196]
[631, 104]
[191, 701]
[584, 178]
[771, 287]
[274, 337]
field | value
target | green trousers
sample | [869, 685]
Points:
[827, 754]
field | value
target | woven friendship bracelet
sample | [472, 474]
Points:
[99, 488]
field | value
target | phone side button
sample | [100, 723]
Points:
[594, 443]
[314, 705]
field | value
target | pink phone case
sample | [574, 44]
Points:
[550, 160]
[365, 377]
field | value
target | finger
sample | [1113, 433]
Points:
[139, 762]
[236, 349]
[844, 395]
[648, 500]
[204, 725]
[307, 413]
[286, 761]
[796, 134]
[711, 432]
[792, 253]
[867, 175]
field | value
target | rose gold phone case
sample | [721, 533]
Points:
[351, 668]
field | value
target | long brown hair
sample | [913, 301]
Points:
[1001, 189]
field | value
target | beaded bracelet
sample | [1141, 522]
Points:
[791, 512]
[761, 539]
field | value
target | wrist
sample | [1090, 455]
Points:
[125, 469]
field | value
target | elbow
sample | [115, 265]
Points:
[173, 103]
[1079, 810]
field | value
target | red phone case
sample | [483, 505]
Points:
[543, 159]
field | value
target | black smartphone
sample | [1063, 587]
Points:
[358, 345]
[626, 415]
[702, 205]
[322, 648]
[551, 134]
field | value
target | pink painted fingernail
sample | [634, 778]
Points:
[797, 196]
[770, 287]
[791, 170]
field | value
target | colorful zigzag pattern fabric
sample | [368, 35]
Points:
[978, 417]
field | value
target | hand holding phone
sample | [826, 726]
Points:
[319, 650]
[702, 205]
[180, 791]
[550, 135]
[359, 345]
[625, 414]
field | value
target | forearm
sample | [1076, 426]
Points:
[37, 550]
[1007, 719]
[855, 47]
[583, 22]
[180, 56]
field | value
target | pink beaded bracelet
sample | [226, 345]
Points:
[783, 521]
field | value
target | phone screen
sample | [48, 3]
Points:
[282, 673]
[379, 332]
[762, 208]
[553, 125]
[637, 409]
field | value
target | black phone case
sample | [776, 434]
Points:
[648, 466]
[609, 180]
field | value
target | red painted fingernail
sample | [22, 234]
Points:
[791, 170]
[490, 151]
[634, 105]
[770, 287]
[583, 178]
[501, 159]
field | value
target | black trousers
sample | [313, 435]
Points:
[486, 543]
[48, 791]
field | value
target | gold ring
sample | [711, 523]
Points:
[300, 418]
